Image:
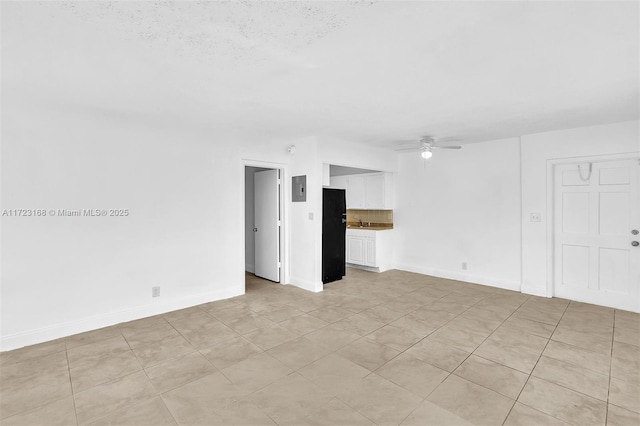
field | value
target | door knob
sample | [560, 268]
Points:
[634, 232]
[255, 229]
[635, 243]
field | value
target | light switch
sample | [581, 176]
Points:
[535, 217]
[310, 216]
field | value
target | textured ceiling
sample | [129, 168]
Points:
[230, 33]
[373, 72]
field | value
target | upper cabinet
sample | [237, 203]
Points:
[375, 192]
[369, 192]
[355, 192]
[338, 182]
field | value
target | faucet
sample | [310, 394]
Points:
[361, 224]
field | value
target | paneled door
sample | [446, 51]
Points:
[596, 224]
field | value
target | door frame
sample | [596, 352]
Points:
[284, 212]
[551, 166]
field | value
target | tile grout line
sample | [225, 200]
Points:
[468, 356]
[400, 353]
[200, 353]
[130, 374]
[473, 352]
[159, 394]
[534, 367]
[565, 387]
[404, 293]
[425, 336]
[196, 349]
[49, 401]
[613, 338]
[449, 372]
[73, 394]
[112, 380]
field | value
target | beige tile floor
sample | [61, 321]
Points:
[387, 349]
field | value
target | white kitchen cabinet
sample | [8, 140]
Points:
[356, 249]
[361, 250]
[355, 192]
[369, 249]
[370, 252]
[338, 182]
[374, 192]
[370, 191]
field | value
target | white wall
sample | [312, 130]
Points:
[185, 231]
[474, 205]
[304, 270]
[183, 186]
[537, 150]
[461, 206]
[63, 275]
[111, 129]
[306, 225]
[344, 153]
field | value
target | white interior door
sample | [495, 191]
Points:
[267, 224]
[596, 213]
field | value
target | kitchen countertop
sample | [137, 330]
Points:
[370, 228]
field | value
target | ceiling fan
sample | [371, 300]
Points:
[425, 146]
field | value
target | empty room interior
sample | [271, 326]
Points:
[320, 213]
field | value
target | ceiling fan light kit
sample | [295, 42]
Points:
[426, 145]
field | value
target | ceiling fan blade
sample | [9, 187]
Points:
[449, 139]
[415, 148]
[447, 147]
[407, 141]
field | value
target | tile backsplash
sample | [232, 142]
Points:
[382, 218]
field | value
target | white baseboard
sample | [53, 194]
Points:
[57, 331]
[535, 291]
[364, 268]
[250, 268]
[458, 276]
[306, 284]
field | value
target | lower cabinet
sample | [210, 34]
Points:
[361, 250]
[370, 252]
[369, 248]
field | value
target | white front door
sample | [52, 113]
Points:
[267, 224]
[596, 214]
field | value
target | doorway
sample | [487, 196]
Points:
[596, 212]
[264, 225]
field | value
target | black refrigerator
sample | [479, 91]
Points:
[334, 226]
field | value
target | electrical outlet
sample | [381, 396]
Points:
[464, 266]
[155, 291]
[535, 217]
